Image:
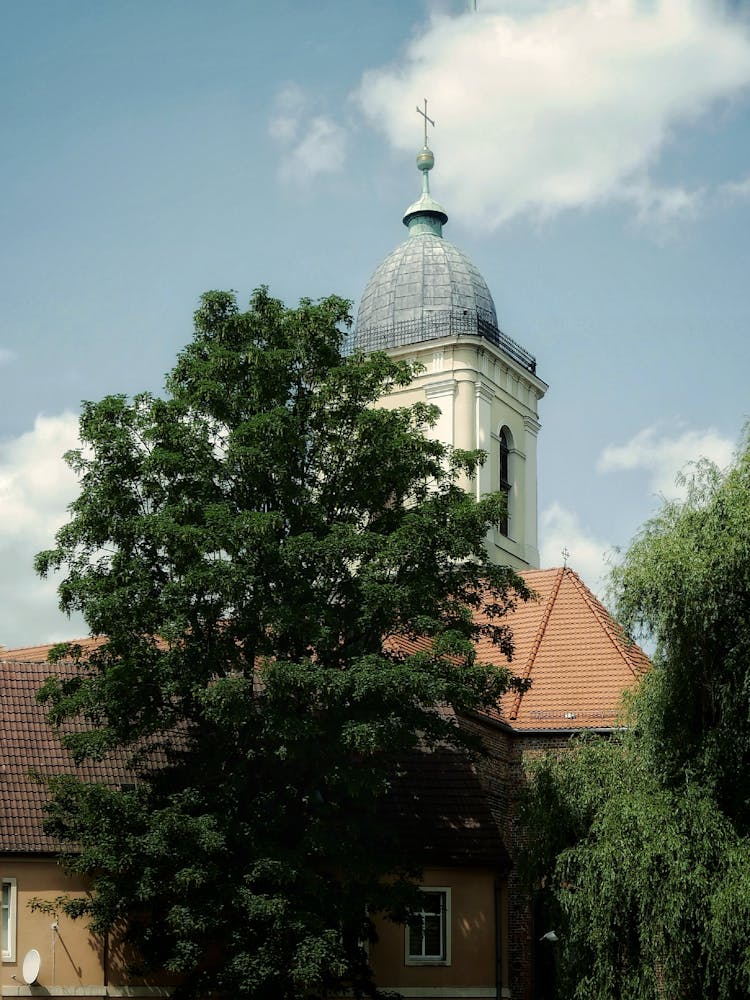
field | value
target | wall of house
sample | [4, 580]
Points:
[472, 970]
[73, 961]
[71, 958]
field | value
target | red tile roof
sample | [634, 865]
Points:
[27, 744]
[566, 644]
[436, 800]
[578, 660]
[576, 656]
[38, 654]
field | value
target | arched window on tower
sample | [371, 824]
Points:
[505, 482]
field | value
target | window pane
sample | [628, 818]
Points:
[433, 936]
[6, 918]
[432, 902]
[415, 937]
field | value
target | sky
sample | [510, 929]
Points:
[593, 157]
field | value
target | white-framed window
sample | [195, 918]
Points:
[428, 931]
[8, 920]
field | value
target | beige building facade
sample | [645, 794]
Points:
[67, 958]
[487, 401]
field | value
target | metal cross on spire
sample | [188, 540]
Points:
[426, 119]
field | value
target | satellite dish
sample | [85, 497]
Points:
[32, 963]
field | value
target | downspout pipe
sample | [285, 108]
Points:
[498, 940]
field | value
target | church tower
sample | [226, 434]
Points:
[428, 302]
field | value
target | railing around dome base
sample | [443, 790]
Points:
[437, 325]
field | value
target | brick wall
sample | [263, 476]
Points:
[502, 774]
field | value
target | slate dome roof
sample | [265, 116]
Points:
[424, 289]
[427, 288]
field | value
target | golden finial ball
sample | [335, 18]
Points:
[425, 159]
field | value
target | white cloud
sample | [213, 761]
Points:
[321, 150]
[35, 483]
[546, 106]
[737, 190]
[36, 487]
[560, 529]
[664, 205]
[662, 456]
[6, 356]
[311, 144]
[289, 107]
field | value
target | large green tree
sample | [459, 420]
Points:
[253, 546]
[645, 867]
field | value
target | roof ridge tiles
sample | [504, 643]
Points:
[38, 652]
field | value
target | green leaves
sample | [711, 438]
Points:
[645, 861]
[686, 581]
[258, 547]
[635, 876]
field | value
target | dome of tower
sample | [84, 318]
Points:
[426, 288]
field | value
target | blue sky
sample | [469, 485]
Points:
[593, 157]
